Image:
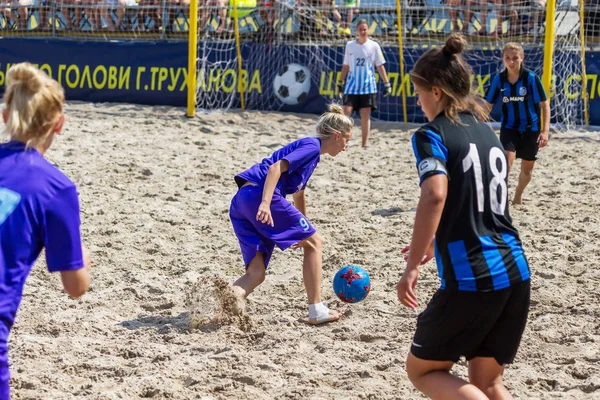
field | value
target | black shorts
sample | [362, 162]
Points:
[473, 324]
[523, 143]
[358, 101]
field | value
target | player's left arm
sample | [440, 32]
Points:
[543, 138]
[300, 201]
[379, 64]
[540, 97]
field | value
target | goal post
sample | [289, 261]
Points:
[192, 57]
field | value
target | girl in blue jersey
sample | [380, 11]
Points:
[262, 217]
[39, 207]
[361, 58]
[524, 102]
[462, 220]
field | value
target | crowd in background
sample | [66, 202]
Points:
[312, 19]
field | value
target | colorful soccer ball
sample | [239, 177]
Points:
[351, 284]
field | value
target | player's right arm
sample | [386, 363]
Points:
[492, 93]
[264, 210]
[77, 282]
[345, 70]
[62, 240]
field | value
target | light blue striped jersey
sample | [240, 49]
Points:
[362, 60]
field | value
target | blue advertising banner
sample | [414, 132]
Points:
[274, 77]
[146, 73]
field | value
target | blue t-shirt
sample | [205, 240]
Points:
[39, 208]
[303, 155]
[520, 101]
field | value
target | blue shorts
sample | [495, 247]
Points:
[4, 376]
[290, 225]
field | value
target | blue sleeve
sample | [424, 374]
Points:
[306, 152]
[62, 238]
[493, 91]
[430, 152]
[539, 94]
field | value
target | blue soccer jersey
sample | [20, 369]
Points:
[362, 59]
[303, 155]
[476, 246]
[520, 101]
[39, 208]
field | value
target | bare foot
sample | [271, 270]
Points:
[517, 201]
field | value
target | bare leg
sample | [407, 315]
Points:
[347, 110]
[483, 15]
[510, 155]
[222, 16]
[312, 273]
[486, 374]
[365, 125]
[524, 179]
[433, 378]
[254, 276]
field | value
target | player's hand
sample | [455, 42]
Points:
[387, 89]
[340, 87]
[429, 253]
[296, 246]
[406, 288]
[543, 139]
[264, 214]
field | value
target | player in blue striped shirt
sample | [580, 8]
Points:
[39, 207]
[462, 218]
[522, 132]
[361, 57]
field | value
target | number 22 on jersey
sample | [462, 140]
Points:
[498, 181]
[8, 202]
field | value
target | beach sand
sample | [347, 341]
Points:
[155, 189]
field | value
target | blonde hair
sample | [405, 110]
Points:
[334, 120]
[34, 103]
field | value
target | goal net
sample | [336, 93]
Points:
[292, 51]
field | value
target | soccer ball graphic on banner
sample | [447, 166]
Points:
[292, 84]
[351, 284]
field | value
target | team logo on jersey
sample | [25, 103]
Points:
[522, 91]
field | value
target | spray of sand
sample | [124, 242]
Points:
[212, 303]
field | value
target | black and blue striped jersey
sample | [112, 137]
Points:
[476, 246]
[520, 101]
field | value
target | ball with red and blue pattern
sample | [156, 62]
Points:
[351, 284]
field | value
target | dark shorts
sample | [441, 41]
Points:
[473, 324]
[291, 226]
[358, 101]
[523, 143]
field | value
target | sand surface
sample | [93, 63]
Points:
[155, 189]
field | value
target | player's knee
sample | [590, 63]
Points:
[492, 390]
[315, 242]
[412, 371]
[527, 172]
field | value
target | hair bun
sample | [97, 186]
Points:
[455, 44]
[335, 108]
[26, 76]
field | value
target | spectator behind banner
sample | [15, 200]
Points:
[17, 11]
[469, 8]
[221, 8]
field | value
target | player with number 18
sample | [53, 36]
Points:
[462, 219]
